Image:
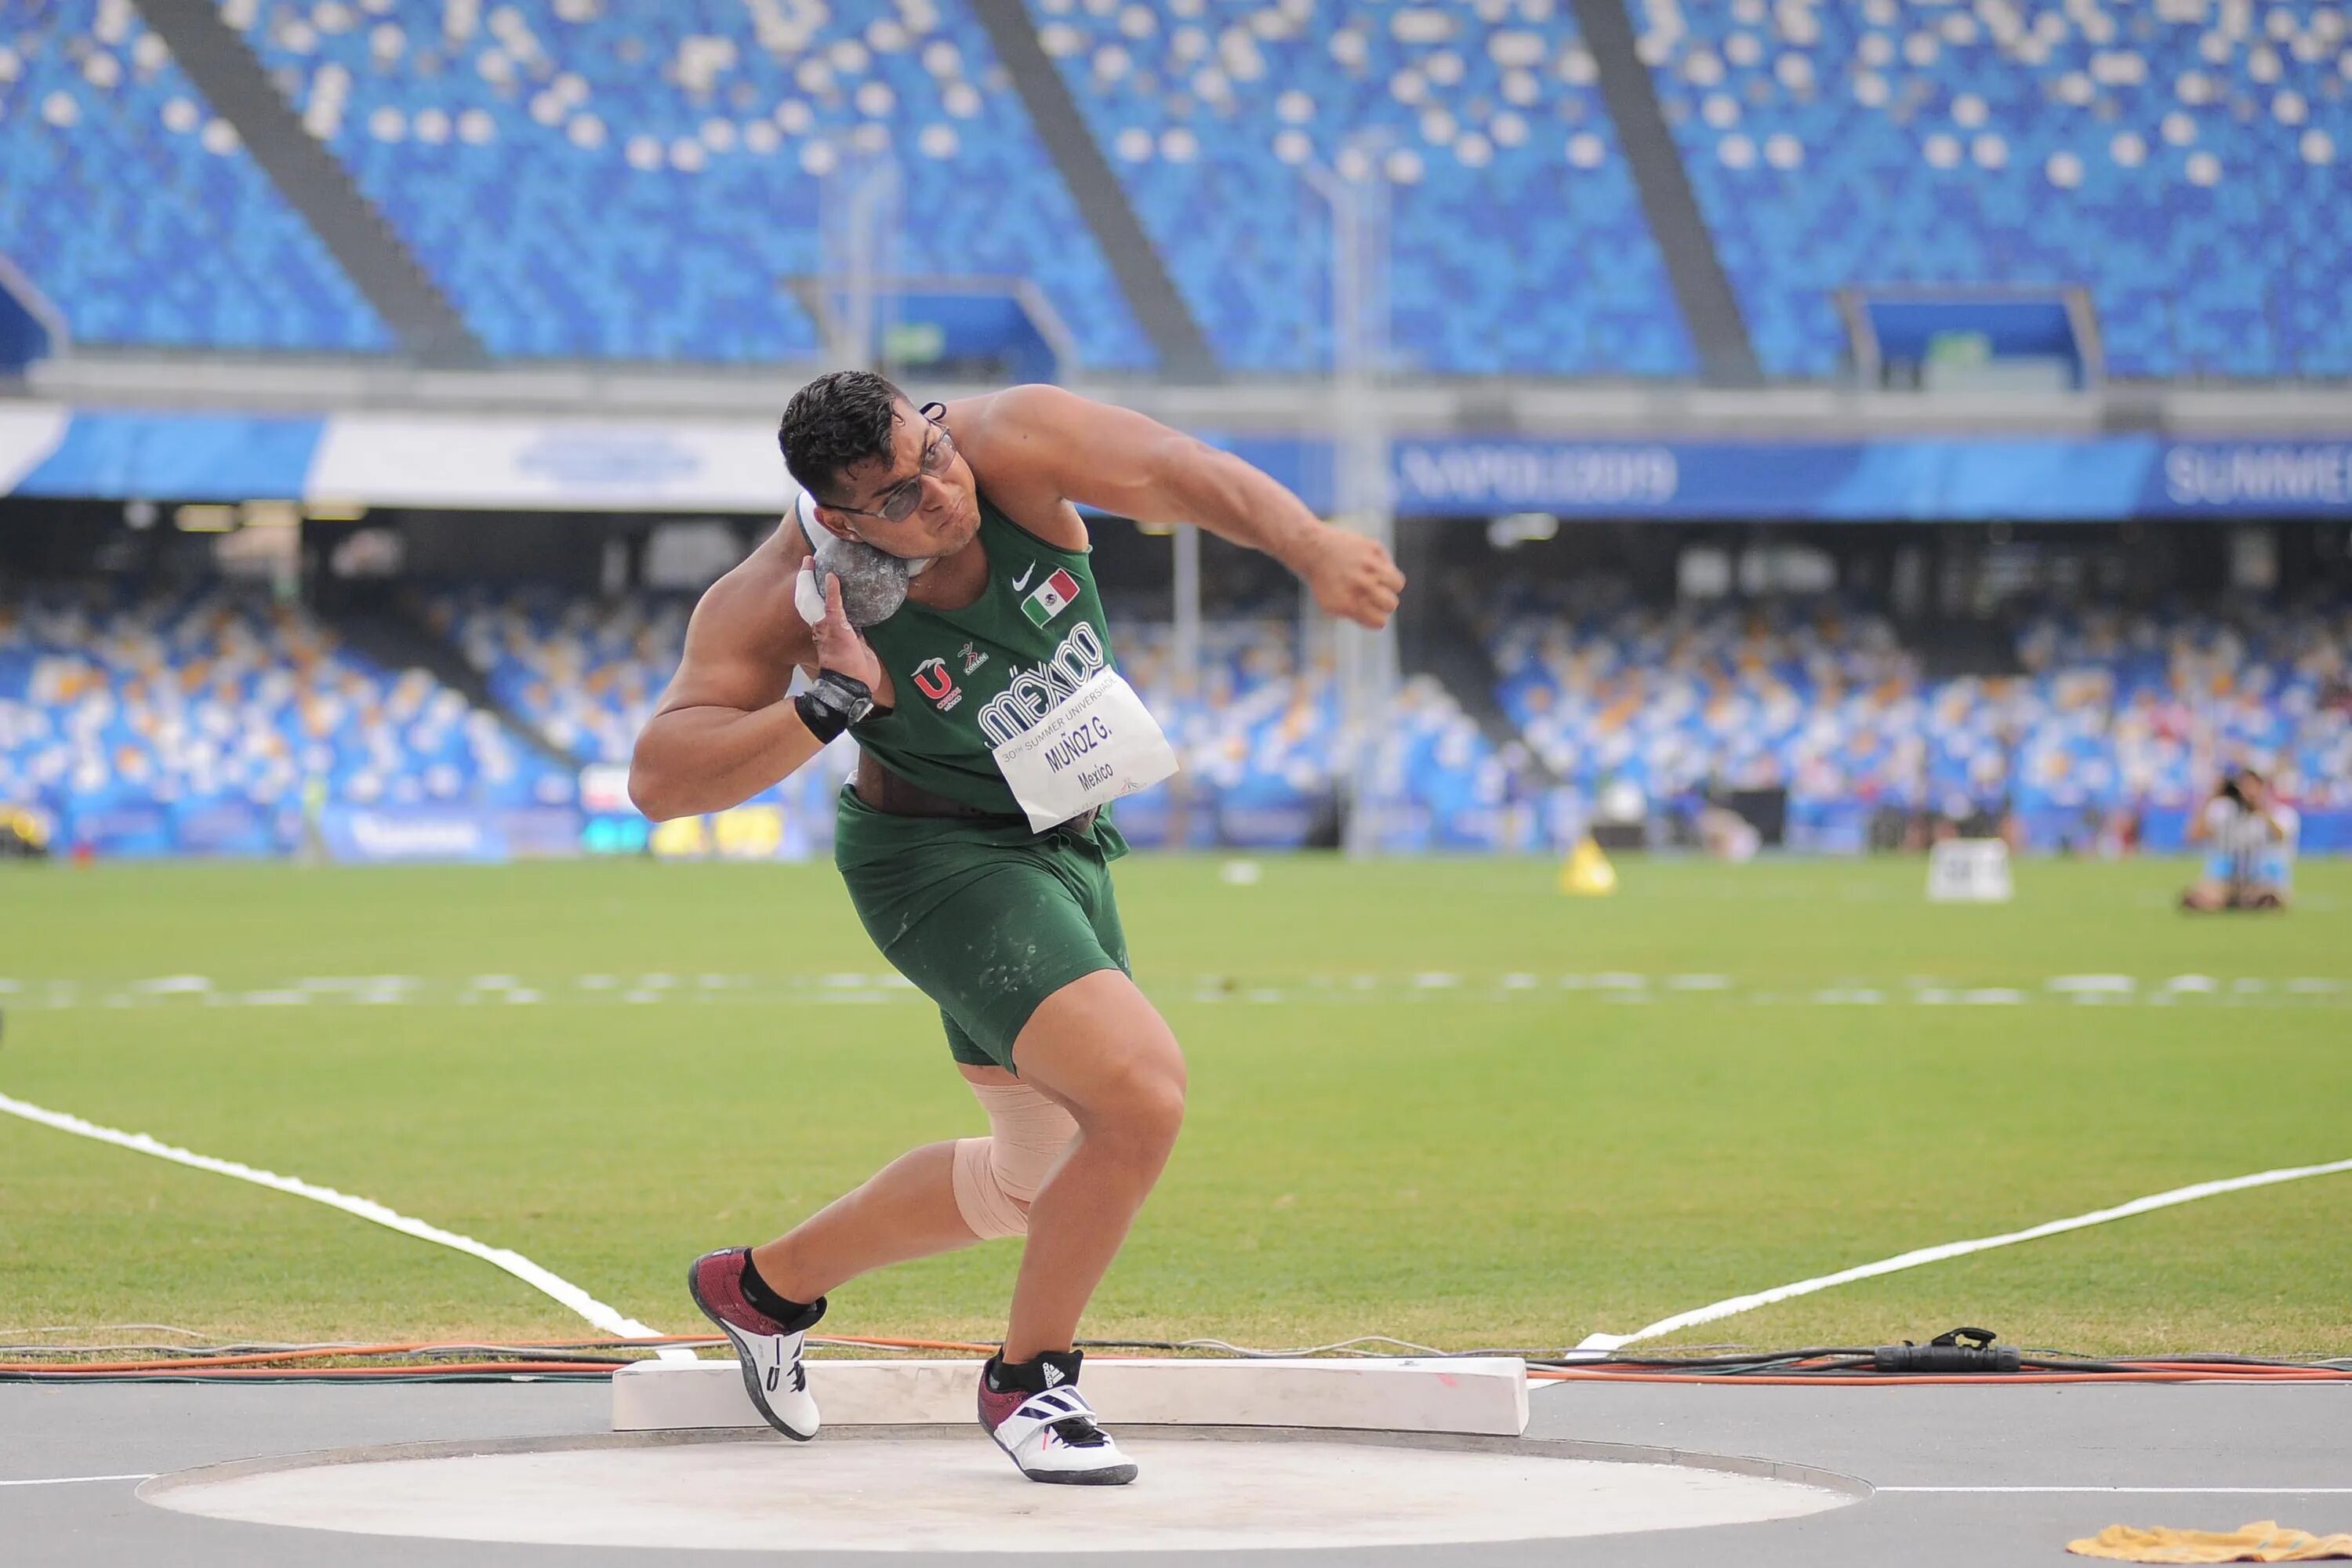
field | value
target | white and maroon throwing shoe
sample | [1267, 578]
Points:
[1050, 1431]
[769, 1348]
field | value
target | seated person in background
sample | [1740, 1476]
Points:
[1728, 835]
[2250, 864]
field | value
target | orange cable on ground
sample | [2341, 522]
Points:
[505, 1368]
[327, 1352]
[1974, 1380]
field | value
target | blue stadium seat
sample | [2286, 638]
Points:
[2114, 716]
[137, 211]
[1518, 246]
[122, 714]
[2180, 162]
[637, 181]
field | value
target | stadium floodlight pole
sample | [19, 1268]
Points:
[1186, 675]
[1363, 496]
[858, 232]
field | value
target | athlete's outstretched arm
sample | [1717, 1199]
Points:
[1119, 461]
[724, 731]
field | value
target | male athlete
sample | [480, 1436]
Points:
[993, 730]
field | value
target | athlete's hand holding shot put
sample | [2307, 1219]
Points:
[933, 582]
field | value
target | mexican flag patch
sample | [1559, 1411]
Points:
[1050, 598]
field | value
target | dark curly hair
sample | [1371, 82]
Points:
[835, 422]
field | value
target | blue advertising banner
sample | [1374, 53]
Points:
[488, 462]
[1942, 479]
[125, 826]
[1936, 478]
[177, 457]
[229, 828]
[447, 833]
[369, 834]
[2242, 479]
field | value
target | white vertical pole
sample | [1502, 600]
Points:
[856, 234]
[1185, 672]
[1366, 660]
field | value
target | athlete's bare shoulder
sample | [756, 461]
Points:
[1041, 453]
[1018, 442]
[746, 635]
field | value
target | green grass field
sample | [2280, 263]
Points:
[1434, 1099]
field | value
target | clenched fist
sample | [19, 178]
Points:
[1353, 578]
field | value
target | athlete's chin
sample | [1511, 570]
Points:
[958, 534]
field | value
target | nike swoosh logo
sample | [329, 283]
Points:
[1022, 581]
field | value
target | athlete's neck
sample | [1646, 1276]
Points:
[952, 582]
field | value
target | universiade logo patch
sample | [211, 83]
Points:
[932, 680]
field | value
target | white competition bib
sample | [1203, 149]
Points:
[1100, 743]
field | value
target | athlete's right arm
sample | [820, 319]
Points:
[725, 730]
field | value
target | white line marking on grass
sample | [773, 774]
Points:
[540, 1279]
[2094, 984]
[1734, 1305]
[170, 985]
[2153, 1491]
[76, 1480]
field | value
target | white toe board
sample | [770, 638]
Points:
[1485, 1395]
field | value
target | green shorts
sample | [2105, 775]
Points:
[988, 921]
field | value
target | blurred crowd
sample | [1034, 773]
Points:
[2110, 726]
[221, 708]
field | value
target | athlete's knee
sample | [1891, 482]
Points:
[1146, 1107]
[997, 1177]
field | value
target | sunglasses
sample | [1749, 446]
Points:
[903, 498]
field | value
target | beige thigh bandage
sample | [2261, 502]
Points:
[997, 1175]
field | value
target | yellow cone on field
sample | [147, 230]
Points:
[1587, 873]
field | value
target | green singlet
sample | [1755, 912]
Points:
[988, 918]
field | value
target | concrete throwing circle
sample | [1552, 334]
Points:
[943, 1492]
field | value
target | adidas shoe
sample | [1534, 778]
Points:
[1050, 1432]
[769, 1351]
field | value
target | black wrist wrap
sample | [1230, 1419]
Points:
[824, 723]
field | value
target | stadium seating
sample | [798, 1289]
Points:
[1518, 246]
[639, 182]
[583, 673]
[2180, 161]
[2143, 711]
[137, 211]
[1258, 741]
[198, 720]
[201, 718]
[667, 164]
[2114, 716]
